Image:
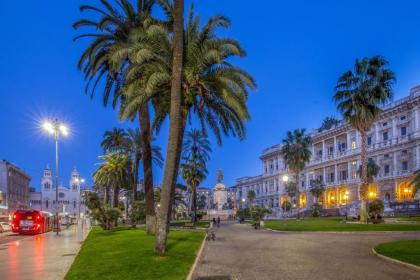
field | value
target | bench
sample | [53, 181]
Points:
[188, 225]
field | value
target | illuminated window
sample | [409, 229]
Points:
[353, 163]
[353, 144]
[404, 191]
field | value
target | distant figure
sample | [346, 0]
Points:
[214, 221]
[218, 221]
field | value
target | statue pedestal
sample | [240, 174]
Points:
[223, 214]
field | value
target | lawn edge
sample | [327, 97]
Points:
[389, 259]
[189, 277]
[342, 232]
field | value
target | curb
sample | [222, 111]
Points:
[409, 265]
[340, 232]
[189, 277]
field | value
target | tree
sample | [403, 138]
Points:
[416, 182]
[114, 26]
[359, 94]
[296, 153]
[251, 196]
[317, 188]
[114, 171]
[115, 140]
[372, 171]
[136, 148]
[376, 209]
[196, 152]
[137, 212]
[328, 123]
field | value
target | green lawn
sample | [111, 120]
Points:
[404, 250]
[335, 224]
[127, 254]
[198, 224]
[410, 219]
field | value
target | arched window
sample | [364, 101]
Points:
[405, 191]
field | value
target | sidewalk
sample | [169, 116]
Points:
[45, 256]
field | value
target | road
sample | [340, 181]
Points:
[240, 252]
[44, 256]
[8, 237]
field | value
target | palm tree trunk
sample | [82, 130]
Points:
[194, 202]
[364, 179]
[146, 138]
[178, 159]
[171, 171]
[106, 196]
[136, 177]
[115, 200]
[297, 194]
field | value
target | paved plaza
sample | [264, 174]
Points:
[240, 252]
[44, 256]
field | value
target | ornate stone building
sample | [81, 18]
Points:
[393, 143]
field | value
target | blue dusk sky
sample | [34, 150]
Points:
[296, 51]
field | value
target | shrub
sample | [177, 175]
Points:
[137, 212]
[376, 209]
[257, 213]
[316, 209]
[106, 216]
[243, 213]
[286, 206]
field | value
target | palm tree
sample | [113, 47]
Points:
[317, 188]
[113, 27]
[328, 123]
[115, 140]
[416, 182]
[372, 170]
[114, 171]
[251, 196]
[196, 152]
[296, 153]
[359, 94]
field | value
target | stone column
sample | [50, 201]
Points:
[335, 174]
[323, 149]
[335, 147]
[395, 168]
[324, 177]
[394, 131]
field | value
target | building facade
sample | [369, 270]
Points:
[393, 143]
[14, 188]
[70, 199]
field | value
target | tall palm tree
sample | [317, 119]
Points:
[196, 152]
[114, 171]
[359, 94]
[296, 153]
[114, 26]
[115, 140]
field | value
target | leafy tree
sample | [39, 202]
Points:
[372, 171]
[243, 213]
[316, 209]
[115, 141]
[114, 26]
[328, 123]
[137, 212]
[202, 202]
[359, 94]
[286, 206]
[376, 209]
[257, 213]
[416, 182]
[317, 188]
[251, 196]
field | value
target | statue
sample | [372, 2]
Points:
[219, 176]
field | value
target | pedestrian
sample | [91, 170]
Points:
[214, 221]
[218, 221]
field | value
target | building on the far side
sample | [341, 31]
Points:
[14, 188]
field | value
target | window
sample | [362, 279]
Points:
[369, 140]
[330, 151]
[404, 152]
[386, 169]
[384, 123]
[403, 118]
[404, 165]
[47, 186]
[385, 136]
[403, 131]
[331, 177]
[353, 144]
[386, 156]
[353, 175]
[343, 174]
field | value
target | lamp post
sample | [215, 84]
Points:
[80, 181]
[346, 197]
[56, 128]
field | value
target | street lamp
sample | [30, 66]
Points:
[80, 181]
[285, 179]
[56, 129]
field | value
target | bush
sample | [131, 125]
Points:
[286, 206]
[316, 210]
[243, 213]
[106, 216]
[257, 213]
[376, 209]
[137, 212]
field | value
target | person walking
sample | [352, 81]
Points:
[218, 221]
[214, 221]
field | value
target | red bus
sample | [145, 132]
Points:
[32, 222]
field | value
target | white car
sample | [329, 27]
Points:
[4, 226]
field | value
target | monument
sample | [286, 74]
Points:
[220, 200]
